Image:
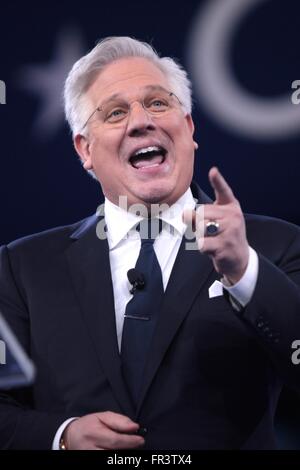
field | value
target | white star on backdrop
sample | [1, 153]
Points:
[47, 81]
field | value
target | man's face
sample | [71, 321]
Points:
[120, 154]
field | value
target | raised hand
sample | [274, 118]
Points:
[228, 248]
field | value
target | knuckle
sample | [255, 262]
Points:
[236, 213]
[227, 243]
[218, 255]
[115, 442]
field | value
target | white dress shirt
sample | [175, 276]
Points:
[124, 247]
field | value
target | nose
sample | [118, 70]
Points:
[139, 121]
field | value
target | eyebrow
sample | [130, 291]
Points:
[119, 95]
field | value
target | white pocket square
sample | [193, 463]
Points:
[215, 290]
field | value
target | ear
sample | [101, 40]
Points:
[82, 146]
[191, 126]
[190, 123]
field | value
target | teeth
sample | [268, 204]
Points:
[146, 150]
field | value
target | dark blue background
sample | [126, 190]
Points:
[41, 181]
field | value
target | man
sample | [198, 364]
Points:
[228, 311]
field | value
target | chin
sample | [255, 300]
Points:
[156, 195]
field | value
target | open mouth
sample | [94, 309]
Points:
[148, 157]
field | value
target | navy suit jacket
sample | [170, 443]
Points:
[213, 375]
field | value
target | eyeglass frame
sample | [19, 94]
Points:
[99, 108]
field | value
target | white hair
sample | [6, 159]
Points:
[110, 49]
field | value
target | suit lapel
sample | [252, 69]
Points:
[88, 259]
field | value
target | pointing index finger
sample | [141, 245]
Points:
[223, 192]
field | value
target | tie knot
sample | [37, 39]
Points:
[149, 229]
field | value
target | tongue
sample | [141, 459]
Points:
[146, 162]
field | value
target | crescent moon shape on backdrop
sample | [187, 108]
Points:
[218, 90]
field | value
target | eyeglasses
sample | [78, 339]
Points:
[156, 103]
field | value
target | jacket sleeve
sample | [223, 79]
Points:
[21, 425]
[274, 310]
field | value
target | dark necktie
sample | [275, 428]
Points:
[142, 310]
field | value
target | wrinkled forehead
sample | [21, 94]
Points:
[128, 78]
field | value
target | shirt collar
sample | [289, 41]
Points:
[119, 221]
[173, 215]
